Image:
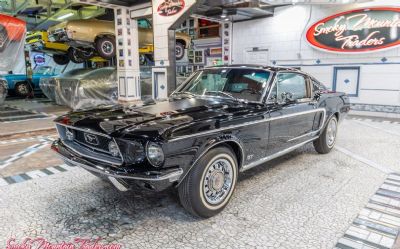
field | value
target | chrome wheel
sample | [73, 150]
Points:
[331, 132]
[218, 181]
[23, 89]
[179, 51]
[107, 47]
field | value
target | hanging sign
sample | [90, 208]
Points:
[361, 30]
[39, 59]
[170, 7]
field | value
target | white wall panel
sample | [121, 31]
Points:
[284, 36]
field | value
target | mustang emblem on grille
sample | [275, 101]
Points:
[91, 139]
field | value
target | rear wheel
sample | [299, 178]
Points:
[105, 47]
[74, 57]
[61, 59]
[85, 53]
[179, 50]
[3, 38]
[326, 141]
[208, 187]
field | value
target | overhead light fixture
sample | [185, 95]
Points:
[65, 16]
[224, 14]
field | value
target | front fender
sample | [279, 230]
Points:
[212, 142]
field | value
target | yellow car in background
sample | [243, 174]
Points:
[39, 42]
[62, 53]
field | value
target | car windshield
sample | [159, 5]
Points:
[237, 83]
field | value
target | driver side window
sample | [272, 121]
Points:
[293, 85]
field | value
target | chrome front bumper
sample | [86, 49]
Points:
[120, 178]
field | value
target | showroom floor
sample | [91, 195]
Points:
[303, 199]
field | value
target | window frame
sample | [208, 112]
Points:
[309, 89]
[265, 92]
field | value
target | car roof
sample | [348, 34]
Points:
[271, 68]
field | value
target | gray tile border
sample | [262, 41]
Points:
[378, 223]
[34, 174]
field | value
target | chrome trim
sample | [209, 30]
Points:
[254, 122]
[95, 133]
[286, 71]
[91, 157]
[273, 156]
[121, 187]
[173, 176]
[85, 130]
[261, 101]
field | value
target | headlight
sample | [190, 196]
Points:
[155, 154]
[113, 148]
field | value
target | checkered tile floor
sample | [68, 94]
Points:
[34, 174]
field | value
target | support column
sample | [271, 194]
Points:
[165, 16]
[227, 29]
[127, 44]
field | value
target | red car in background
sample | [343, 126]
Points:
[11, 29]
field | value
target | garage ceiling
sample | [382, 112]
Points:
[41, 14]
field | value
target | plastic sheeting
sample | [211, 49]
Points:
[83, 88]
[12, 40]
[3, 90]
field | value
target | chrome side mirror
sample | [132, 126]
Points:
[287, 97]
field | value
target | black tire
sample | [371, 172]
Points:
[22, 89]
[192, 190]
[74, 57]
[61, 59]
[105, 47]
[3, 38]
[85, 53]
[179, 51]
[324, 144]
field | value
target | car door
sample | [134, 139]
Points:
[292, 111]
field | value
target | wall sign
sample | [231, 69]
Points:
[39, 59]
[170, 7]
[361, 30]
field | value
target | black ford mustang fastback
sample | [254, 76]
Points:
[221, 121]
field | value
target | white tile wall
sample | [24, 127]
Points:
[284, 36]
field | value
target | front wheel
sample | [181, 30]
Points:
[208, 187]
[74, 57]
[22, 89]
[327, 139]
[85, 53]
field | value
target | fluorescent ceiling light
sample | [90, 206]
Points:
[65, 16]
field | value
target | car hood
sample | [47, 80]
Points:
[162, 118]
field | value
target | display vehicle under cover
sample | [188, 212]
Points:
[86, 88]
[221, 121]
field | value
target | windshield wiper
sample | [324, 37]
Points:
[221, 93]
[191, 95]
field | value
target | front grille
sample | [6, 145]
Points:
[98, 142]
[89, 144]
